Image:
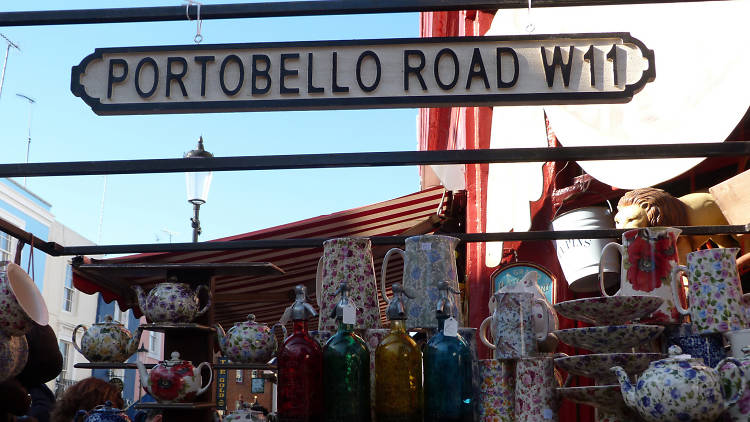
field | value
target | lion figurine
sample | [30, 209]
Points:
[650, 207]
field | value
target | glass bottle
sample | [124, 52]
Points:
[447, 370]
[300, 366]
[346, 368]
[398, 368]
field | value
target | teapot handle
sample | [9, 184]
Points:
[75, 345]
[547, 320]
[283, 329]
[384, 270]
[207, 306]
[319, 284]
[210, 377]
[676, 279]
[483, 333]
[743, 387]
[621, 249]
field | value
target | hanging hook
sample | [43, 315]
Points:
[198, 21]
[530, 27]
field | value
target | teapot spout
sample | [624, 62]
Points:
[221, 336]
[140, 295]
[135, 341]
[144, 376]
[626, 388]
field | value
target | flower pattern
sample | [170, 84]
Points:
[597, 365]
[495, 385]
[107, 342]
[175, 381]
[348, 259]
[535, 395]
[609, 310]
[14, 321]
[512, 326]
[248, 342]
[611, 338]
[14, 352]
[171, 302]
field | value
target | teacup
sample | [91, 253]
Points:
[20, 300]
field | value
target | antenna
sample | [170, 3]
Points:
[28, 139]
[170, 234]
[5, 62]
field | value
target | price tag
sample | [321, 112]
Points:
[426, 246]
[350, 314]
[450, 328]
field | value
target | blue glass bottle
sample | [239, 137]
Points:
[447, 370]
[346, 371]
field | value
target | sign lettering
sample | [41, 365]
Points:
[388, 73]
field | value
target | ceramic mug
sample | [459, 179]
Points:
[648, 255]
[350, 259]
[535, 394]
[20, 300]
[709, 347]
[495, 390]
[714, 291]
[737, 341]
[513, 326]
[428, 260]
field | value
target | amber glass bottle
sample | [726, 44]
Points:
[398, 368]
[300, 365]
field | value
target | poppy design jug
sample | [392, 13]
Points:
[428, 260]
[347, 259]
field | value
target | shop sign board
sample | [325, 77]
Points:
[221, 386]
[362, 74]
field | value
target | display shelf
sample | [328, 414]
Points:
[105, 365]
[164, 327]
[174, 406]
[255, 366]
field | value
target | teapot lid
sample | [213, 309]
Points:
[174, 361]
[250, 321]
[106, 408]
[444, 310]
[108, 320]
[397, 308]
[676, 356]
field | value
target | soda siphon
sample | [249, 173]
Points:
[300, 366]
[346, 367]
[447, 369]
[398, 368]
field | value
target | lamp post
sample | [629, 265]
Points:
[198, 184]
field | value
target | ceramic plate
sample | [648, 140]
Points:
[610, 338]
[600, 396]
[612, 310]
[598, 366]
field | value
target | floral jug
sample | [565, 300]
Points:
[428, 260]
[681, 388]
[107, 341]
[347, 259]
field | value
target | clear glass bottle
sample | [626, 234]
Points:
[300, 366]
[346, 370]
[398, 368]
[447, 370]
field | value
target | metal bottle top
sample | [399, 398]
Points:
[343, 290]
[397, 308]
[300, 309]
[444, 309]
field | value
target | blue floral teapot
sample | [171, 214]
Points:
[102, 413]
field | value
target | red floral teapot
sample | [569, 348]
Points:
[174, 380]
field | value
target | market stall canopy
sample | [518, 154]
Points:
[260, 287]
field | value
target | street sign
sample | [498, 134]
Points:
[386, 73]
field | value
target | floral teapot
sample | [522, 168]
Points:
[174, 380]
[680, 388]
[248, 341]
[171, 302]
[102, 413]
[107, 341]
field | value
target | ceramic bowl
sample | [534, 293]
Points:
[609, 338]
[597, 366]
[606, 397]
[612, 310]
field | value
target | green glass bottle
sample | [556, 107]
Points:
[346, 369]
[447, 370]
[398, 368]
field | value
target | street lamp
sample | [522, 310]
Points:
[198, 184]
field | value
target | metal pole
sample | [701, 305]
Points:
[195, 222]
[28, 139]
[5, 62]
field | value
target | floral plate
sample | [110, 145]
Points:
[612, 310]
[606, 397]
[597, 365]
[609, 338]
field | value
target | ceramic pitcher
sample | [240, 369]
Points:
[714, 291]
[648, 255]
[536, 398]
[512, 325]
[347, 259]
[428, 260]
[495, 384]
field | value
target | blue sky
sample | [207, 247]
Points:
[138, 208]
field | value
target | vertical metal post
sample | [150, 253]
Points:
[196, 223]
[5, 61]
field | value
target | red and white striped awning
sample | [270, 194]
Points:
[398, 216]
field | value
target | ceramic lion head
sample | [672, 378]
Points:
[649, 207]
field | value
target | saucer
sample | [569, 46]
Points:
[609, 310]
[597, 366]
[609, 338]
[606, 397]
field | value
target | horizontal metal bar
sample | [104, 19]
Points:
[380, 240]
[375, 159]
[284, 8]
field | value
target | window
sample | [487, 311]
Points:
[121, 316]
[4, 247]
[154, 344]
[64, 351]
[68, 291]
[238, 376]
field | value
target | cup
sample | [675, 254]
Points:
[20, 300]
[535, 393]
[715, 293]
[495, 390]
[513, 326]
[648, 255]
